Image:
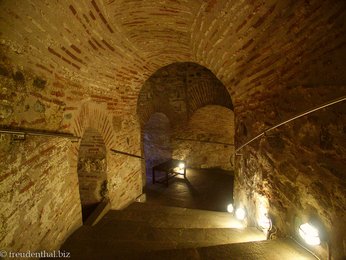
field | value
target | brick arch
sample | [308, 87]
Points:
[91, 115]
[94, 116]
[178, 90]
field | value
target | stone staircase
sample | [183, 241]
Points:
[146, 231]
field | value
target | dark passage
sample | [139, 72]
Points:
[207, 189]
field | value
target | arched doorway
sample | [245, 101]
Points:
[92, 171]
[200, 112]
[156, 142]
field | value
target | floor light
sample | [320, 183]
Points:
[181, 165]
[240, 213]
[310, 234]
[230, 208]
[264, 222]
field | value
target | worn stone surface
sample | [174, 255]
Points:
[124, 234]
[205, 189]
[284, 249]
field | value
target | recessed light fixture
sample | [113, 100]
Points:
[230, 208]
[310, 234]
[240, 213]
[264, 222]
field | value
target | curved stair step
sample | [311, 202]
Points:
[125, 231]
[162, 216]
[283, 249]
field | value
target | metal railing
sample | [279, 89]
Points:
[202, 141]
[22, 133]
[330, 103]
[127, 154]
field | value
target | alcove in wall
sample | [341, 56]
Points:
[92, 168]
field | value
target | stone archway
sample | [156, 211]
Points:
[178, 90]
[92, 171]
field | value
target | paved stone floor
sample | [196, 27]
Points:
[210, 189]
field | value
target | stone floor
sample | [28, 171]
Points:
[279, 249]
[181, 221]
[210, 189]
[149, 231]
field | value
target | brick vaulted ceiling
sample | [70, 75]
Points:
[113, 46]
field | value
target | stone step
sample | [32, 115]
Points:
[158, 216]
[151, 206]
[137, 232]
[145, 231]
[283, 249]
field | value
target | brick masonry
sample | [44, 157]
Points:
[173, 110]
[70, 65]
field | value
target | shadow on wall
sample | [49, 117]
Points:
[92, 171]
[157, 141]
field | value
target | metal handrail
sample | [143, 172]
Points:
[128, 154]
[35, 132]
[202, 141]
[335, 101]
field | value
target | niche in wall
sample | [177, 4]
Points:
[92, 171]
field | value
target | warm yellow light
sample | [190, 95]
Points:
[310, 234]
[181, 165]
[264, 222]
[230, 208]
[240, 213]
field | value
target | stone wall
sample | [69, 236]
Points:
[207, 141]
[298, 168]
